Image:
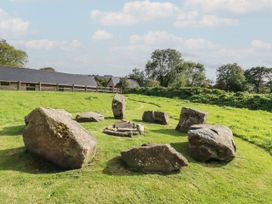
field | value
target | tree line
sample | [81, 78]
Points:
[167, 68]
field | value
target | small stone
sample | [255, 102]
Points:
[89, 117]
[156, 117]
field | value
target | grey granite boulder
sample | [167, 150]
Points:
[211, 142]
[89, 117]
[189, 117]
[53, 135]
[154, 158]
[156, 117]
[118, 106]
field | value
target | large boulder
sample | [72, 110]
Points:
[118, 106]
[89, 117]
[189, 117]
[124, 129]
[211, 142]
[156, 117]
[53, 135]
[154, 158]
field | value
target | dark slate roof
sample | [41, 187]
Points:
[115, 80]
[35, 76]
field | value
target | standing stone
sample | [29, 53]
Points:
[119, 106]
[53, 135]
[211, 142]
[89, 117]
[189, 117]
[156, 117]
[154, 158]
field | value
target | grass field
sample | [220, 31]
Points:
[25, 178]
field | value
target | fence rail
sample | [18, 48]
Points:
[11, 85]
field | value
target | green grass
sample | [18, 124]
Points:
[25, 178]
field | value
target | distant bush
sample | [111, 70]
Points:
[212, 96]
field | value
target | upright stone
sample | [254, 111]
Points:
[211, 142]
[119, 106]
[189, 117]
[53, 135]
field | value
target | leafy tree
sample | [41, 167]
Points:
[152, 83]
[163, 66]
[230, 77]
[138, 75]
[190, 74]
[10, 56]
[48, 69]
[123, 83]
[269, 79]
[257, 76]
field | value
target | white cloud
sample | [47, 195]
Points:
[101, 35]
[236, 6]
[194, 19]
[136, 12]
[10, 25]
[259, 44]
[45, 44]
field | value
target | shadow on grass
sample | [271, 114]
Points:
[109, 118]
[19, 159]
[182, 147]
[116, 167]
[169, 132]
[12, 130]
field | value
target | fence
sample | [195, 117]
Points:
[8, 85]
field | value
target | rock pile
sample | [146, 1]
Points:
[124, 129]
[53, 135]
[154, 158]
[156, 117]
[189, 117]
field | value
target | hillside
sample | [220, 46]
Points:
[25, 178]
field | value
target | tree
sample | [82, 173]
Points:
[230, 77]
[257, 76]
[10, 56]
[152, 83]
[123, 83]
[138, 75]
[163, 66]
[48, 69]
[269, 79]
[190, 74]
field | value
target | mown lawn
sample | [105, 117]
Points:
[25, 178]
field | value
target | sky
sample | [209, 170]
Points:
[115, 36]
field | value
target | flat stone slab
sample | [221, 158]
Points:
[154, 158]
[89, 117]
[211, 142]
[124, 129]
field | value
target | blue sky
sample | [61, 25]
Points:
[113, 37]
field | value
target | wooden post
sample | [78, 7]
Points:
[40, 86]
[73, 87]
[86, 88]
[57, 87]
[19, 86]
